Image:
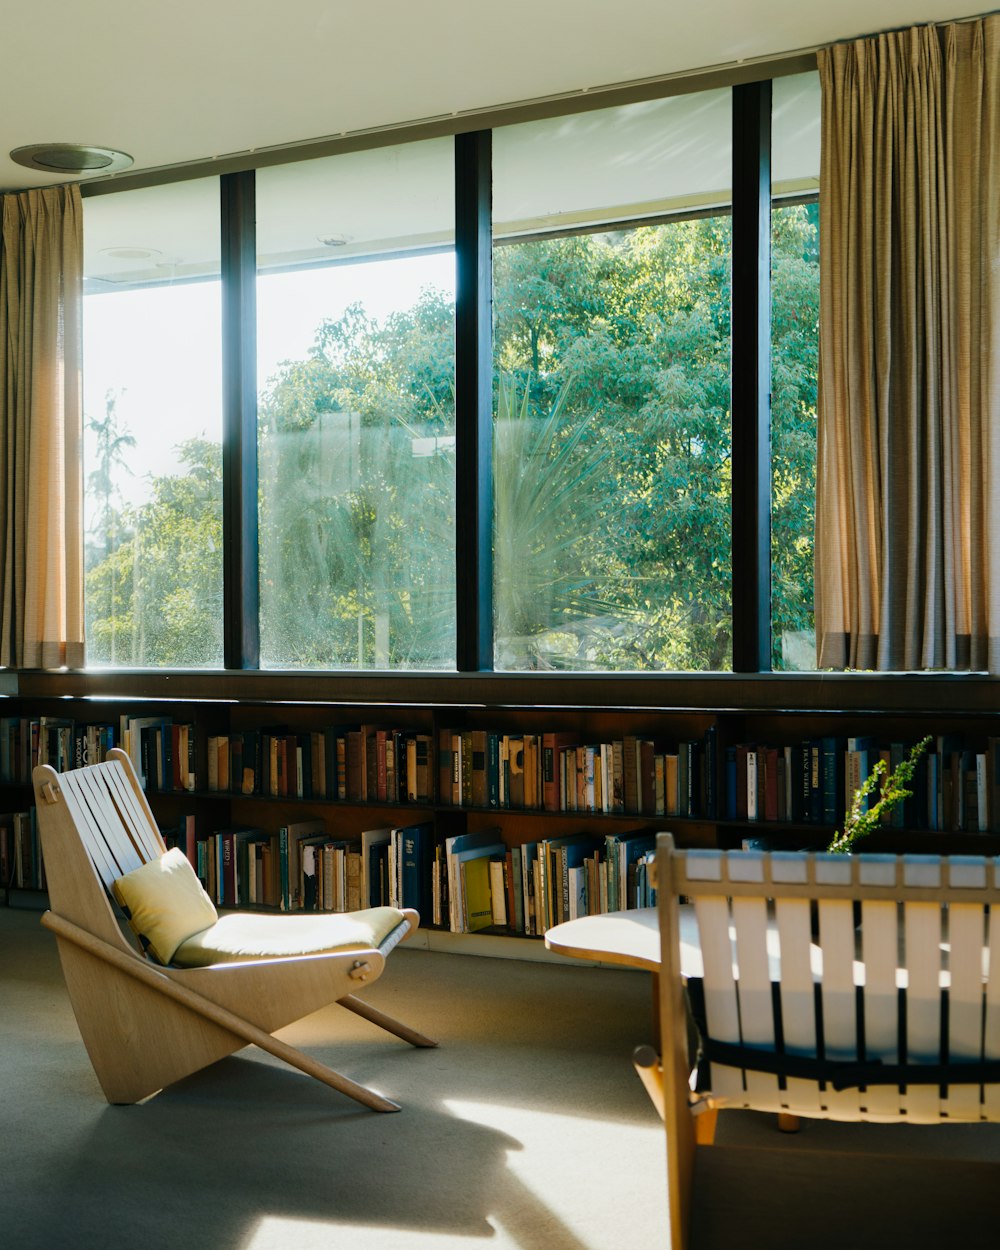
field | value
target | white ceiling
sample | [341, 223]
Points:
[195, 80]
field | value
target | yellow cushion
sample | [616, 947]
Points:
[166, 903]
[248, 935]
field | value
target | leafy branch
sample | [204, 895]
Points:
[861, 820]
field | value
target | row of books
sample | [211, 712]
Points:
[814, 781]
[558, 772]
[357, 763]
[21, 863]
[468, 768]
[161, 749]
[465, 883]
[473, 881]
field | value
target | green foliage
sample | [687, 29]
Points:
[862, 820]
[612, 474]
[356, 523]
[547, 502]
[157, 599]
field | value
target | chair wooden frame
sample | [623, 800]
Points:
[824, 980]
[144, 1025]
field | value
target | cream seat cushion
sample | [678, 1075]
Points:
[242, 936]
[166, 903]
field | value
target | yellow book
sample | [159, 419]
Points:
[478, 896]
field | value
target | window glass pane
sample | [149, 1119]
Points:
[355, 303]
[612, 359]
[153, 426]
[794, 364]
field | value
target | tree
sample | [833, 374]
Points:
[111, 440]
[612, 470]
[357, 499]
[157, 599]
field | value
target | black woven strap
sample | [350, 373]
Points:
[846, 1074]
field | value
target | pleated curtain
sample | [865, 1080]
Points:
[41, 472]
[908, 461]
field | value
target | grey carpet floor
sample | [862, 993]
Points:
[527, 1130]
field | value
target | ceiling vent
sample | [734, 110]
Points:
[71, 158]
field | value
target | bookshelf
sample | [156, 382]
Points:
[585, 798]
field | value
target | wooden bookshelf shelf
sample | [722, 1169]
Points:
[722, 715]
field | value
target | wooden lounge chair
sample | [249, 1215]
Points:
[146, 1025]
[829, 986]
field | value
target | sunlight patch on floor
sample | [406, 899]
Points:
[624, 1165]
[275, 1232]
[568, 1182]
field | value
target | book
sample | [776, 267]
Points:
[477, 907]
[370, 872]
[290, 837]
[459, 849]
[498, 889]
[416, 852]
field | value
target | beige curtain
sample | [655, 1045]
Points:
[908, 461]
[41, 474]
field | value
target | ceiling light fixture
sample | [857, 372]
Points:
[71, 158]
[131, 253]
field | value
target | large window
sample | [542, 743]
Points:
[153, 427]
[613, 434]
[356, 410]
[612, 468]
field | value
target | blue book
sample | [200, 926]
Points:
[416, 843]
[832, 779]
[730, 783]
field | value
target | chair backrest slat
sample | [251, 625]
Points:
[722, 1015]
[798, 1001]
[840, 1015]
[966, 937]
[922, 935]
[109, 860]
[754, 993]
[116, 839]
[880, 956]
[144, 835]
[991, 1023]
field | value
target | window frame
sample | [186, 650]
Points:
[751, 347]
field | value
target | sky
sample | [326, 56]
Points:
[158, 350]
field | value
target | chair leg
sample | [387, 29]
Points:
[704, 1127]
[368, 1012]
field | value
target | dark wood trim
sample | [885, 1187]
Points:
[239, 441]
[474, 401]
[751, 377]
[936, 696]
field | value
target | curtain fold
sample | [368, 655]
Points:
[41, 471]
[907, 507]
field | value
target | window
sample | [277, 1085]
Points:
[613, 434]
[152, 427]
[356, 410]
[794, 363]
[613, 474]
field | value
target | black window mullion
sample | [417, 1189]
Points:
[474, 401]
[751, 377]
[241, 598]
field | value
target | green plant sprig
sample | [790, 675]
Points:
[859, 823]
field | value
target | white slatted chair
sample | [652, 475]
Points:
[233, 983]
[829, 986]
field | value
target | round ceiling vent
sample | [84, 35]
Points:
[131, 253]
[71, 158]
